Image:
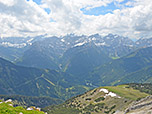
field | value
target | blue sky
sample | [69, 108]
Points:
[105, 9]
[36, 1]
[97, 10]
[100, 10]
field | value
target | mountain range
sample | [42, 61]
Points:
[112, 45]
[92, 61]
[66, 66]
[37, 82]
[125, 69]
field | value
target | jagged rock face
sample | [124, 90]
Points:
[144, 106]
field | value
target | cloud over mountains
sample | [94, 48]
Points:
[132, 18]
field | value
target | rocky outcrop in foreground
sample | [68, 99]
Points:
[143, 106]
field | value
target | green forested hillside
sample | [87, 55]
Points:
[135, 67]
[143, 75]
[39, 57]
[80, 60]
[11, 53]
[114, 72]
[37, 82]
[143, 87]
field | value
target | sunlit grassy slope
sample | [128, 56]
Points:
[96, 101]
[125, 91]
[5, 108]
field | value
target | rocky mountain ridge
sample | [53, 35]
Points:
[120, 99]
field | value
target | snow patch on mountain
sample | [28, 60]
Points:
[62, 40]
[107, 93]
[30, 40]
[80, 44]
[8, 44]
[104, 90]
[100, 44]
[93, 38]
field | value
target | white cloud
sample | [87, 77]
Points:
[7, 2]
[22, 18]
[26, 18]
[134, 22]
